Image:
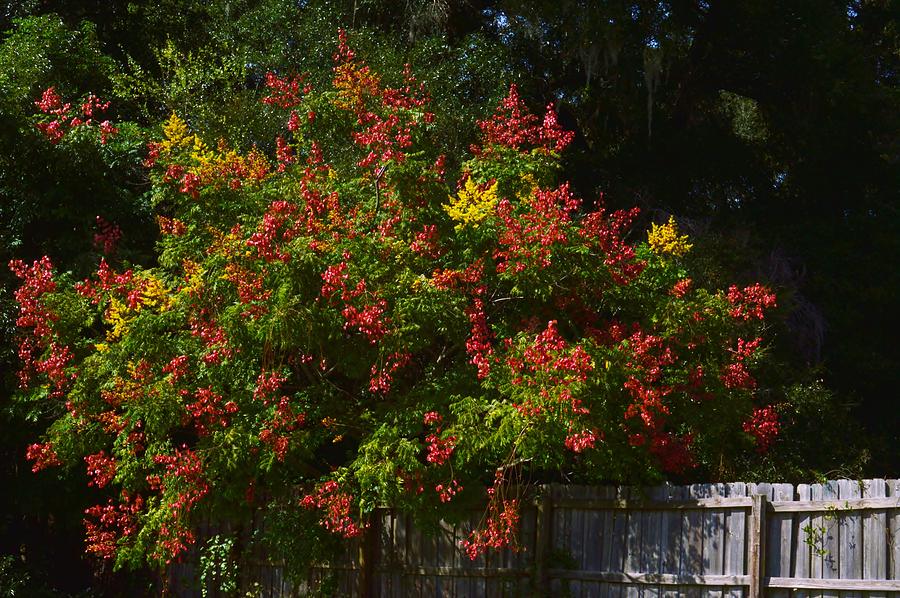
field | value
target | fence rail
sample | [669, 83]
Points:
[840, 539]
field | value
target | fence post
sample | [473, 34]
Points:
[366, 554]
[757, 560]
[543, 538]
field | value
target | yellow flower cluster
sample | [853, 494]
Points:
[529, 186]
[119, 315]
[208, 161]
[177, 136]
[193, 275]
[664, 239]
[472, 205]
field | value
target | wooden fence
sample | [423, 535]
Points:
[840, 539]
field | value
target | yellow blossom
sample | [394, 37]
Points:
[201, 153]
[118, 316]
[664, 239]
[153, 294]
[529, 185]
[193, 275]
[176, 135]
[472, 205]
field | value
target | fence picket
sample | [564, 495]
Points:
[779, 539]
[735, 543]
[832, 522]
[893, 488]
[850, 558]
[875, 536]
[633, 554]
[805, 540]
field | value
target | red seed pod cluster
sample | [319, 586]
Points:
[750, 302]
[514, 126]
[499, 531]
[335, 505]
[763, 426]
[61, 118]
[111, 526]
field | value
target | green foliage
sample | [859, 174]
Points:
[322, 322]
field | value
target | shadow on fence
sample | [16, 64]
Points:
[839, 539]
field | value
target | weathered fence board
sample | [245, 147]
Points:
[840, 539]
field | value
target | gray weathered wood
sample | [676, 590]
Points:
[875, 536]
[756, 565]
[641, 502]
[735, 545]
[670, 536]
[659, 542]
[633, 553]
[655, 578]
[619, 539]
[651, 522]
[850, 558]
[779, 537]
[831, 558]
[718, 534]
[605, 562]
[857, 504]
[576, 542]
[633, 546]
[543, 536]
[892, 489]
[692, 543]
[833, 585]
[819, 548]
[803, 540]
[593, 538]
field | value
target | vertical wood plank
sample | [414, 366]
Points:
[692, 541]
[606, 562]
[831, 558]
[875, 536]
[388, 557]
[401, 531]
[652, 538]
[429, 559]
[671, 536]
[633, 553]
[593, 536]
[893, 488]
[756, 564]
[445, 557]
[543, 538]
[850, 529]
[804, 540]
[735, 534]
[779, 539]
[576, 542]
[620, 535]
[819, 532]
[523, 560]
[619, 543]
[714, 540]
[765, 489]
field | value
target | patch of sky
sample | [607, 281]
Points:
[779, 179]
